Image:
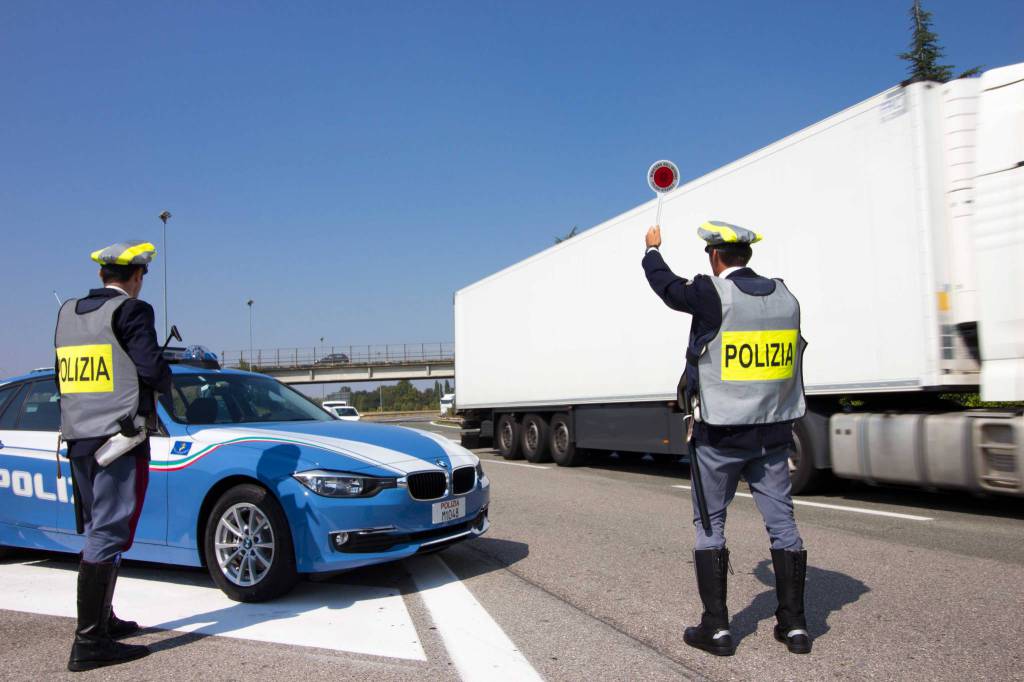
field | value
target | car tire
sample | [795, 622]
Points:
[535, 440]
[804, 477]
[255, 561]
[562, 444]
[508, 436]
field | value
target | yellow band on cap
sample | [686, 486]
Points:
[128, 255]
[726, 232]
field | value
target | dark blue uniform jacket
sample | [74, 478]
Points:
[699, 298]
[134, 327]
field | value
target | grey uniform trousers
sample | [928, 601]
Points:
[111, 499]
[767, 473]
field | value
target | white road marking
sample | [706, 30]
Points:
[478, 646]
[514, 464]
[446, 426]
[364, 620]
[858, 510]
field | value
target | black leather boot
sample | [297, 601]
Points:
[790, 574]
[712, 635]
[93, 647]
[118, 628]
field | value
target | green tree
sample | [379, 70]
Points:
[925, 51]
[402, 397]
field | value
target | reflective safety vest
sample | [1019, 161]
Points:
[98, 382]
[751, 372]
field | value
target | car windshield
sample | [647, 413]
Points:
[216, 398]
[346, 411]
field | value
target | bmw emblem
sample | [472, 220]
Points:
[441, 463]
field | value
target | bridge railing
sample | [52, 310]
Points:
[327, 357]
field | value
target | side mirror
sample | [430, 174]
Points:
[175, 334]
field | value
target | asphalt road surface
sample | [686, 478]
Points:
[586, 574]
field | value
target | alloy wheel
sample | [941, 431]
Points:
[244, 543]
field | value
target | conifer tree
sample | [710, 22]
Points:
[925, 51]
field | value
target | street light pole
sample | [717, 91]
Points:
[249, 303]
[323, 387]
[164, 217]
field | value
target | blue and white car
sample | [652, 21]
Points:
[251, 479]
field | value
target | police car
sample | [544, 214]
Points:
[251, 479]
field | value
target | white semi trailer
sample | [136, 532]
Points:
[898, 223]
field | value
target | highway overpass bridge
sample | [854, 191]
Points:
[348, 364]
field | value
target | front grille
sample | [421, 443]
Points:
[463, 480]
[1003, 462]
[382, 542]
[428, 485]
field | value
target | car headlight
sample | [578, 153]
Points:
[342, 484]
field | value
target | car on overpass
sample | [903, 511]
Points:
[332, 359]
[251, 479]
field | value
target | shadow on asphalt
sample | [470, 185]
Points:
[826, 592]
[498, 555]
[837, 490]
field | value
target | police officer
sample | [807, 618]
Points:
[743, 384]
[108, 366]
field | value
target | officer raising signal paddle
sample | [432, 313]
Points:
[109, 365]
[743, 386]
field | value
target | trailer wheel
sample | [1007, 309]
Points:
[535, 439]
[563, 445]
[470, 441]
[803, 475]
[507, 437]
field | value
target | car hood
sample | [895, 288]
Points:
[349, 446]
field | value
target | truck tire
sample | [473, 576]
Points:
[563, 444]
[265, 566]
[803, 475]
[507, 437]
[470, 441]
[535, 439]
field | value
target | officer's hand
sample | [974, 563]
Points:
[654, 236]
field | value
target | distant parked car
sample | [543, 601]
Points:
[330, 404]
[346, 412]
[333, 359]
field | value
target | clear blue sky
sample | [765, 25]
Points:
[350, 165]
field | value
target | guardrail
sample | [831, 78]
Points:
[338, 356]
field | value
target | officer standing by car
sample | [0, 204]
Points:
[743, 386]
[109, 364]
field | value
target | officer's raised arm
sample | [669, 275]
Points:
[669, 287]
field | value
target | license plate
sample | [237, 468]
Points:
[449, 510]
